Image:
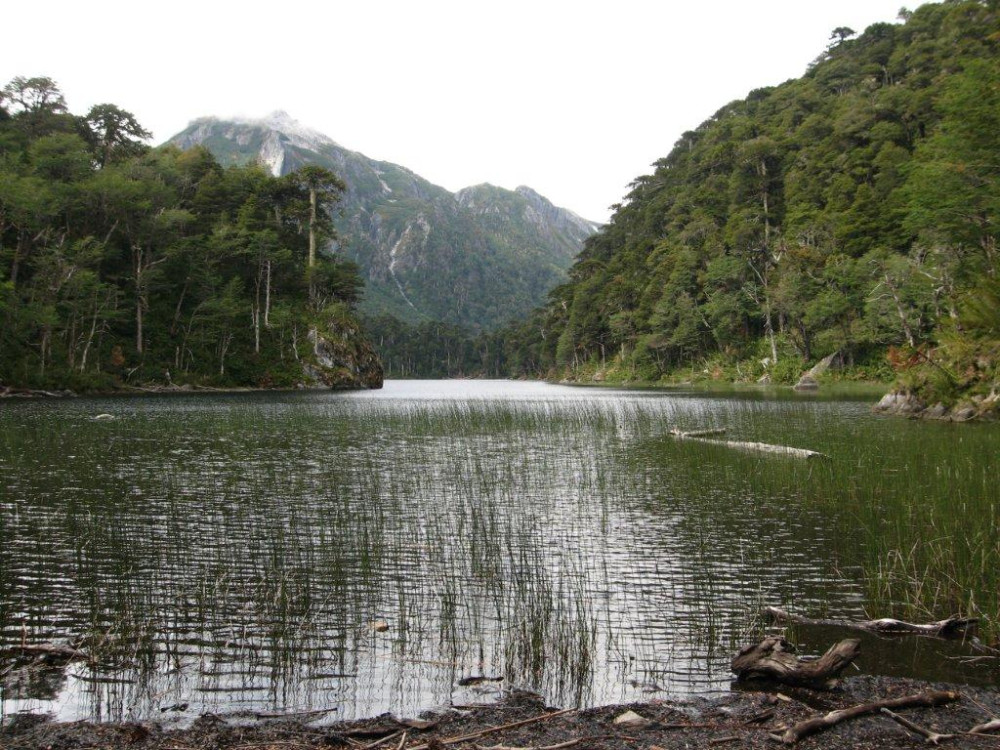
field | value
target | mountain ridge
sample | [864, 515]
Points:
[477, 258]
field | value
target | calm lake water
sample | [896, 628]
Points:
[367, 551]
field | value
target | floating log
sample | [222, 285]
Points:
[927, 699]
[774, 659]
[746, 446]
[50, 652]
[698, 433]
[951, 628]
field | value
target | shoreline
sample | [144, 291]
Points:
[12, 393]
[746, 717]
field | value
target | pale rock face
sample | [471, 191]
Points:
[272, 153]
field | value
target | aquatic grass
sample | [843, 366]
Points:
[568, 545]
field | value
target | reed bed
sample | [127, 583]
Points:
[245, 553]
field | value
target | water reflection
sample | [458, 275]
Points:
[232, 552]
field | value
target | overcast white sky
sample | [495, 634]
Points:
[575, 99]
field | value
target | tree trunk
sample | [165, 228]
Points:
[90, 338]
[312, 227]
[267, 296]
[772, 659]
[907, 331]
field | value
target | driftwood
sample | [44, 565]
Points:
[989, 726]
[49, 652]
[950, 628]
[774, 659]
[13, 392]
[808, 727]
[559, 746]
[745, 446]
[698, 433]
[492, 730]
[932, 738]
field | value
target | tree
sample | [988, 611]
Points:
[324, 189]
[37, 105]
[114, 133]
[842, 33]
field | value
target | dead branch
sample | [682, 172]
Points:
[747, 447]
[559, 746]
[50, 651]
[817, 724]
[932, 738]
[383, 740]
[951, 627]
[698, 433]
[300, 715]
[491, 730]
[774, 659]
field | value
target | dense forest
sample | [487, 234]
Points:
[851, 211]
[123, 265]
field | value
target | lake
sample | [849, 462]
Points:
[368, 551]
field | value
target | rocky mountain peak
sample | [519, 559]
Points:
[475, 258]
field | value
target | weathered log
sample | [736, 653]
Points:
[774, 659]
[748, 447]
[808, 727]
[989, 726]
[49, 651]
[698, 433]
[950, 628]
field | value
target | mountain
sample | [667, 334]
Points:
[850, 212]
[477, 258]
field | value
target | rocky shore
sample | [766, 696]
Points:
[906, 404]
[747, 718]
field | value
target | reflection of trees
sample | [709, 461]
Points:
[31, 679]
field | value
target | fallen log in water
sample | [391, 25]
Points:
[50, 652]
[808, 727]
[746, 446]
[950, 628]
[698, 433]
[774, 659]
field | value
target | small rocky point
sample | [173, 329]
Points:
[906, 404]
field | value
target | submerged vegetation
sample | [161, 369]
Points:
[123, 265]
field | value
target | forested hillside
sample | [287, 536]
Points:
[851, 211]
[121, 265]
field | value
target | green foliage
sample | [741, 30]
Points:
[120, 264]
[849, 211]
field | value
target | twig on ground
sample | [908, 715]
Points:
[559, 746]
[382, 740]
[491, 730]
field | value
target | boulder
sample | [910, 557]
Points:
[342, 357]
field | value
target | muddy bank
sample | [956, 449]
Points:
[748, 718]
